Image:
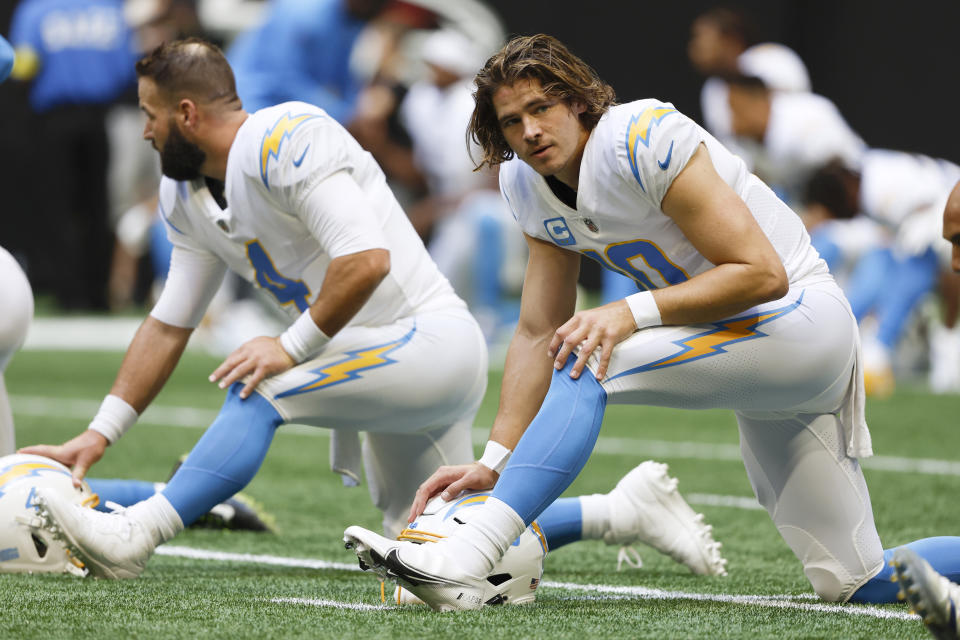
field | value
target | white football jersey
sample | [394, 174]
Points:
[279, 154]
[895, 185]
[805, 131]
[629, 162]
[907, 193]
[780, 69]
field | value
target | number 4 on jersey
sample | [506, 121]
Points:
[285, 290]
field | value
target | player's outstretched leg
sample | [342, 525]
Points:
[646, 507]
[930, 594]
[119, 544]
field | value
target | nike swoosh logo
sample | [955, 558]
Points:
[299, 161]
[401, 570]
[666, 161]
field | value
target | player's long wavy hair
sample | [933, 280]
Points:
[560, 73]
[191, 68]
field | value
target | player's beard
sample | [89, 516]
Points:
[180, 159]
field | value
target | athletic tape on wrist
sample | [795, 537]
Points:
[114, 418]
[495, 456]
[303, 338]
[644, 308]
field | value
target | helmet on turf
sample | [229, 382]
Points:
[25, 547]
[518, 572]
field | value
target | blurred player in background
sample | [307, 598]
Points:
[468, 228]
[302, 51]
[723, 43]
[733, 292]
[78, 57]
[906, 194]
[786, 136]
[379, 341]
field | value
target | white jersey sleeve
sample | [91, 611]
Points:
[192, 281]
[311, 179]
[195, 272]
[659, 142]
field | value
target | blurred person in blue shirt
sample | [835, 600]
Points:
[78, 56]
[302, 52]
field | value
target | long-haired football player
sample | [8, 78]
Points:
[734, 310]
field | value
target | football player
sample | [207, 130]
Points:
[935, 598]
[723, 43]
[737, 311]
[906, 194]
[379, 342]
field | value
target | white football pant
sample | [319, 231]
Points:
[413, 387]
[787, 370]
[16, 312]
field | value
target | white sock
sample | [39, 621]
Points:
[486, 536]
[594, 515]
[158, 516]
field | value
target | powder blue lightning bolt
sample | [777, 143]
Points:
[350, 368]
[638, 130]
[712, 341]
[274, 137]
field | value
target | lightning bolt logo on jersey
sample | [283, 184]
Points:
[628, 165]
[639, 131]
[350, 368]
[274, 137]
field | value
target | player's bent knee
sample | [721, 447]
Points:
[832, 579]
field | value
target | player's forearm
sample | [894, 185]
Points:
[526, 378]
[721, 292]
[349, 283]
[150, 359]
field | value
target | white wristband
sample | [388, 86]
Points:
[495, 456]
[303, 338]
[114, 418]
[644, 308]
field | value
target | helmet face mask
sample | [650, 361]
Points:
[25, 547]
[517, 574]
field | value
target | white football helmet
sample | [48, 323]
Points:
[519, 570]
[25, 547]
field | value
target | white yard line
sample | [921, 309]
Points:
[196, 418]
[250, 558]
[333, 604]
[774, 601]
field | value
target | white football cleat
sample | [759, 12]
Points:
[423, 569]
[929, 594]
[112, 545]
[646, 507]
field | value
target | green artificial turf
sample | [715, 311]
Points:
[181, 597]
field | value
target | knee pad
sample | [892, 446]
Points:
[831, 580]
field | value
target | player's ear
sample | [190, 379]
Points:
[186, 113]
[578, 106]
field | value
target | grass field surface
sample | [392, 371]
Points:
[300, 582]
